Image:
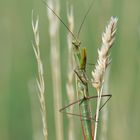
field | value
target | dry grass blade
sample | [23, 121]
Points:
[40, 79]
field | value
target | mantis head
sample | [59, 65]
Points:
[76, 43]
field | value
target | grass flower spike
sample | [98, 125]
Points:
[103, 53]
[40, 79]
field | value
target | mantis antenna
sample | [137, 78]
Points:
[59, 18]
[90, 7]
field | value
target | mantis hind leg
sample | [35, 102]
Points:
[108, 96]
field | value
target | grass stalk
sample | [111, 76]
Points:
[55, 66]
[104, 113]
[82, 90]
[35, 113]
[70, 78]
[40, 79]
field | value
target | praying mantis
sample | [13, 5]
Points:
[80, 56]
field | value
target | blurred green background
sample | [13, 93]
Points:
[19, 106]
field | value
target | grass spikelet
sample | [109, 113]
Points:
[103, 53]
[40, 79]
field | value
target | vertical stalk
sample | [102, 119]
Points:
[70, 76]
[82, 92]
[55, 65]
[85, 111]
[104, 114]
[99, 92]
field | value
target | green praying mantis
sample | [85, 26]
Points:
[82, 82]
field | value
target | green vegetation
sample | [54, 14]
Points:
[20, 117]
